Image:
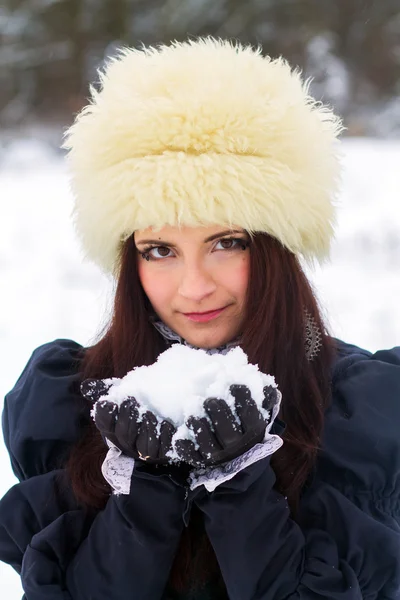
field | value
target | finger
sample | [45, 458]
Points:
[246, 408]
[167, 431]
[105, 415]
[148, 442]
[205, 438]
[126, 426]
[226, 428]
[93, 389]
[270, 397]
[187, 452]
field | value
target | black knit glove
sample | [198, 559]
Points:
[226, 439]
[121, 425]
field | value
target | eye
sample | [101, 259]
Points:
[233, 243]
[162, 250]
[146, 254]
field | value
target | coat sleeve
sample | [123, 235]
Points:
[125, 552]
[44, 413]
[42, 418]
[61, 550]
[345, 545]
[29, 507]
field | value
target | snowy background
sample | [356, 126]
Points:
[48, 293]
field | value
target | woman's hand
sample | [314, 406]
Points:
[134, 436]
[225, 439]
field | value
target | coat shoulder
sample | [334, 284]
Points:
[369, 382]
[44, 413]
[361, 442]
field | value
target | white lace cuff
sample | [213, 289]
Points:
[117, 468]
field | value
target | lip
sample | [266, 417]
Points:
[205, 316]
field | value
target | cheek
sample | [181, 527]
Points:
[237, 278]
[157, 286]
[151, 284]
[244, 274]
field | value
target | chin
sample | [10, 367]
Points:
[207, 340]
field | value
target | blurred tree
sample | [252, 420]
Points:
[50, 49]
[368, 41]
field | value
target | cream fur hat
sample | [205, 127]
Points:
[204, 132]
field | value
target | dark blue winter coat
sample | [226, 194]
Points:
[346, 545]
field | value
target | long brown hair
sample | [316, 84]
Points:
[278, 296]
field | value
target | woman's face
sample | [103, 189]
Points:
[196, 270]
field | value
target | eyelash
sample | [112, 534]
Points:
[241, 244]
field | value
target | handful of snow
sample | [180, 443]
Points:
[177, 384]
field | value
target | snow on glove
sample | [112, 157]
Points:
[135, 436]
[226, 439]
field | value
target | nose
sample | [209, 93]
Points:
[196, 283]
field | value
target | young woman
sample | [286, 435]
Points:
[203, 173]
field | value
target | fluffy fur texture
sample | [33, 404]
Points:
[201, 133]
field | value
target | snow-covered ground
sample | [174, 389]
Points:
[48, 293]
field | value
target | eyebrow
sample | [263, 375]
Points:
[209, 239]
